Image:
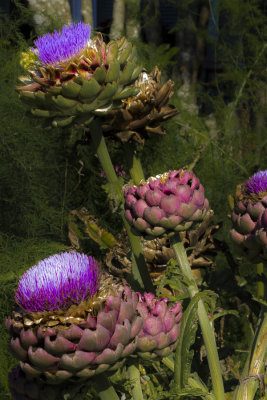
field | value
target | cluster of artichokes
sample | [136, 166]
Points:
[76, 321]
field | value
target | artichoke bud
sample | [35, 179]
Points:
[165, 204]
[249, 218]
[67, 69]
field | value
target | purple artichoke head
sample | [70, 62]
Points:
[58, 47]
[58, 282]
[76, 320]
[167, 203]
[160, 332]
[249, 217]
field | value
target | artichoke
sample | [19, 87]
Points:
[160, 332]
[168, 203]
[249, 217]
[74, 320]
[72, 78]
[142, 113]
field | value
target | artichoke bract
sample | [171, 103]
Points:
[72, 78]
[74, 321]
[142, 113]
[249, 218]
[168, 203]
[160, 332]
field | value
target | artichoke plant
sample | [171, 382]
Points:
[249, 217]
[168, 203]
[74, 321]
[142, 113]
[160, 332]
[71, 78]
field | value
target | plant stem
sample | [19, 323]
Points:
[260, 288]
[205, 324]
[256, 359]
[134, 376]
[104, 388]
[139, 268]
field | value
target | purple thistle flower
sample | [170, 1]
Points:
[57, 47]
[58, 282]
[257, 183]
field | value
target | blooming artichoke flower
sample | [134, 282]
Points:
[160, 332]
[249, 217]
[72, 78]
[74, 320]
[167, 203]
[142, 113]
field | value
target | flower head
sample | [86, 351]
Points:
[58, 282]
[256, 184]
[57, 47]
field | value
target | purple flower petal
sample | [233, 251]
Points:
[58, 47]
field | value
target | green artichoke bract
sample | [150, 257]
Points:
[168, 203]
[74, 320]
[249, 217]
[72, 78]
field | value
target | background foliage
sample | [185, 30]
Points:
[220, 126]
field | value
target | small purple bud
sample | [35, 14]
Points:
[256, 184]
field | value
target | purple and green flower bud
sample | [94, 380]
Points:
[167, 203]
[249, 218]
[58, 282]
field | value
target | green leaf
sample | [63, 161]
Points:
[54, 90]
[71, 89]
[100, 74]
[90, 89]
[63, 103]
[63, 121]
[223, 313]
[108, 92]
[113, 72]
[127, 73]
[41, 113]
[129, 91]
[184, 355]
[124, 53]
[112, 52]
[136, 72]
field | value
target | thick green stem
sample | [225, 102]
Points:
[205, 324]
[134, 376]
[104, 388]
[260, 288]
[139, 268]
[255, 362]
